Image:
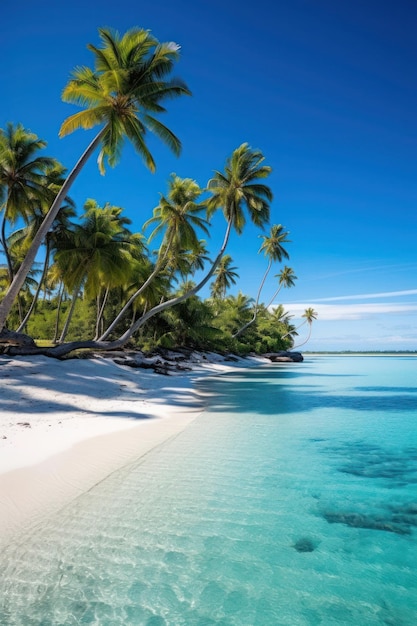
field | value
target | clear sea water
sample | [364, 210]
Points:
[291, 501]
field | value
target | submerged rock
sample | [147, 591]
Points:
[371, 522]
[304, 544]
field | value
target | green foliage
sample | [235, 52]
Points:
[110, 282]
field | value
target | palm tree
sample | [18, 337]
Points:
[187, 262]
[238, 188]
[232, 191]
[98, 255]
[225, 277]
[177, 217]
[237, 308]
[309, 315]
[121, 95]
[23, 179]
[279, 314]
[60, 232]
[274, 251]
[189, 324]
[286, 279]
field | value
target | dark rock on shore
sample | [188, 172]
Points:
[284, 356]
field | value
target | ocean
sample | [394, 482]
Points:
[292, 500]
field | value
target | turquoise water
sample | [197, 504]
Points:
[291, 501]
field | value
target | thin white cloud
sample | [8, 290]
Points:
[366, 296]
[356, 270]
[351, 311]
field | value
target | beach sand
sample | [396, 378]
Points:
[66, 425]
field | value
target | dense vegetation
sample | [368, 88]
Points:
[101, 285]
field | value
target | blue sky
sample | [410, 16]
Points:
[327, 90]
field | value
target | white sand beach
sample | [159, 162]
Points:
[66, 425]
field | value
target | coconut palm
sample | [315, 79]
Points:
[187, 262]
[23, 179]
[279, 314]
[286, 279]
[189, 324]
[225, 277]
[309, 315]
[121, 95]
[232, 191]
[58, 233]
[16, 244]
[176, 218]
[228, 313]
[274, 251]
[97, 257]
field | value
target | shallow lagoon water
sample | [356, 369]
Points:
[291, 501]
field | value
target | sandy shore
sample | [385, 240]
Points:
[66, 425]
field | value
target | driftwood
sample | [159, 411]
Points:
[11, 338]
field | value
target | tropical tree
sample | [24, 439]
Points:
[309, 315]
[232, 191]
[189, 325]
[286, 278]
[98, 256]
[274, 250]
[176, 218]
[225, 277]
[23, 179]
[280, 315]
[16, 245]
[186, 263]
[59, 233]
[121, 95]
[228, 313]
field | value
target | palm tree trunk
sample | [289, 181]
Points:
[70, 313]
[169, 303]
[20, 309]
[304, 342]
[17, 283]
[38, 290]
[274, 296]
[100, 311]
[58, 312]
[302, 324]
[256, 303]
[5, 246]
[62, 350]
[158, 267]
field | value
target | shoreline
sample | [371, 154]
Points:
[65, 427]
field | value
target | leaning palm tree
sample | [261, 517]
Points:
[121, 96]
[59, 232]
[98, 255]
[309, 315]
[225, 277]
[286, 278]
[274, 251]
[233, 191]
[23, 179]
[17, 248]
[280, 315]
[186, 263]
[176, 217]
